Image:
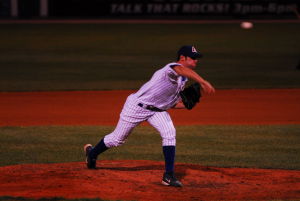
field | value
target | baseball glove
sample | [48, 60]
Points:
[191, 95]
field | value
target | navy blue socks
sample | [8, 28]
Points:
[168, 151]
[98, 149]
[169, 154]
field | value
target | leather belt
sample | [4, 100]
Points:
[150, 107]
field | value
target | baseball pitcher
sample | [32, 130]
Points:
[165, 90]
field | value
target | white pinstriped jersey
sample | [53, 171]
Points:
[162, 90]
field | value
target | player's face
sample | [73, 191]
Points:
[191, 62]
[188, 61]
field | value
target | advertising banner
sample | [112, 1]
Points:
[192, 9]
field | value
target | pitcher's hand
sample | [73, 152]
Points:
[207, 87]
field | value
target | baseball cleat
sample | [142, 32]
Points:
[170, 180]
[90, 162]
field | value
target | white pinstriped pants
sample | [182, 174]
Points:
[132, 115]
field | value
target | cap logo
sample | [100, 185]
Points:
[194, 49]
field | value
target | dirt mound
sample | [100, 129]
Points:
[140, 180]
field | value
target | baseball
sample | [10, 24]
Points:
[246, 25]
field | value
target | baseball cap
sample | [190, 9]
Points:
[190, 51]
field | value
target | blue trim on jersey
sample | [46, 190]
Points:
[172, 66]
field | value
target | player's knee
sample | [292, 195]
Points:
[170, 131]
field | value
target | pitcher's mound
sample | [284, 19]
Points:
[141, 180]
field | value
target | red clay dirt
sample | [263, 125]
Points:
[276, 106]
[140, 180]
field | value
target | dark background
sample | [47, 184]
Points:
[166, 9]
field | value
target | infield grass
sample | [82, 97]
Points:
[222, 146]
[51, 57]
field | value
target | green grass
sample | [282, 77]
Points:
[222, 146]
[44, 57]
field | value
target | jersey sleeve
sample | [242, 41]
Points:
[171, 73]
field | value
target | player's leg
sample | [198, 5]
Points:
[114, 139]
[130, 117]
[120, 134]
[163, 123]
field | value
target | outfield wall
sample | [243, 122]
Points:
[153, 9]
